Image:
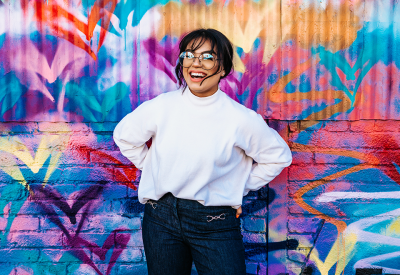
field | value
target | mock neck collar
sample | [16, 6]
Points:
[201, 101]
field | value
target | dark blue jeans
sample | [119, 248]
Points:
[177, 232]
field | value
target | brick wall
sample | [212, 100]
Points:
[70, 205]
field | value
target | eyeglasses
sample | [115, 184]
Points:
[206, 60]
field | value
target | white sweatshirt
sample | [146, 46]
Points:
[202, 148]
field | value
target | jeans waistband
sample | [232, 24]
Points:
[170, 199]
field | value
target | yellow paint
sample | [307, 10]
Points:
[274, 22]
[394, 228]
[342, 252]
[49, 146]
[242, 24]
[334, 27]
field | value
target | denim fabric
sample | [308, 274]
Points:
[177, 232]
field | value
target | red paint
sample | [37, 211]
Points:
[123, 174]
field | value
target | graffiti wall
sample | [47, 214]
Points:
[325, 74]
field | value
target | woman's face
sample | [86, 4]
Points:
[195, 74]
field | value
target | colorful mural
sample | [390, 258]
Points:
[325, 74]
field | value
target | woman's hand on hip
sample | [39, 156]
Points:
[238, 212]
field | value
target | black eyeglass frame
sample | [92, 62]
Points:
[194, 57]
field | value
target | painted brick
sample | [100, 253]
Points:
[109, 222]
[84, 174]
[8, 269]
[305, 240]
[259, 257]
[312, 172]
[362, 126]
[9, 128]
[19, 255]
[251, 268]
[310, 125]
[254, 237]
[137, 269]
[126, 176]
[97, 157]
[59, 256]
[5, 178]
[295, 209]
[75, 157]
[111, 191]
[387, 126]
[62, 127]
[298, 255]
[103, 126]
[28, 208]
[28, 175]
[132, 192]
[294, 126]
[263, 268]
[7, 159]
[21, 223]
[336, 126]
[321, 158]
[303, 225]
[253, 224]
[136, 239]
[383, 140]
[105, 142]
[79, 141]
[130, 256]
[85, 269]
[46, 225]
[23, 239]
[12, 192]
[47, 268]
[302, 157]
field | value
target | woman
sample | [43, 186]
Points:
[200, 164]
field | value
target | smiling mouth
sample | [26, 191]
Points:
[197, 75]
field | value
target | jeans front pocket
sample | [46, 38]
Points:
[158, 212]
[211, 221]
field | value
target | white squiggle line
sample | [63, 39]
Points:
[369, 237]
[335, 196]
[369, 262]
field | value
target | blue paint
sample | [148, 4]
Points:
[255, 102]
[272, 78]
[239, 51]
[290, 88]
[312, 109]
[305, 84]
[256, 44]
[2, 39]
[242, 98]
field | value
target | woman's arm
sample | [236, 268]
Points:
[268, 149]
[133, 131]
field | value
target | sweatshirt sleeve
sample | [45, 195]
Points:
[271, 153]
[134, 130]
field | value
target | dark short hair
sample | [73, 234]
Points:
[218, 41]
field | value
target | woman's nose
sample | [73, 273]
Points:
[196, 62]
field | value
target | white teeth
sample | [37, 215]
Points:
[197, 74]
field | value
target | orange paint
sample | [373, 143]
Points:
[52, 15]
[298, 196]
[369, 158]
[101, 10]
[275, 93]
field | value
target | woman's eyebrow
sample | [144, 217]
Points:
[190, 50]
